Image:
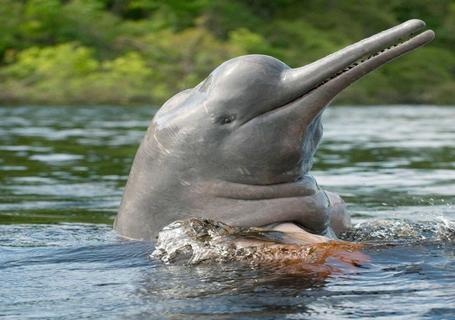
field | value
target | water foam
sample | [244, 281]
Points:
[195, 241]
[402, 231]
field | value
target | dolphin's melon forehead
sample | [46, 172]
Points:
[246, 70]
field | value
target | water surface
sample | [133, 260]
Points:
[62, 170]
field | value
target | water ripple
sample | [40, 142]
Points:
[62, 171]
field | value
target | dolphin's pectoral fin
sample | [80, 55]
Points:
[340, 219]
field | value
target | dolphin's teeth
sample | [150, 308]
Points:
[358, 62]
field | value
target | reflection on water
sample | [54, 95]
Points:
[62, 171]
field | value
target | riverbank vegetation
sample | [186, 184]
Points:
[143, 51]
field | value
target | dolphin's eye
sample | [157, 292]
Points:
[225, 119]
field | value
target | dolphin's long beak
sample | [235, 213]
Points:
[323, 79]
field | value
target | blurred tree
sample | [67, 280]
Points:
[143, 51]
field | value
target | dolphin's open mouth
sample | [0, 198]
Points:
[314, 85]
[323, 79]
[389, 45]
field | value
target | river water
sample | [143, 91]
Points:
[62, 170]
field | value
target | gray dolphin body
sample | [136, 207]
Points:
[238, 147]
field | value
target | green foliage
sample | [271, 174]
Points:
[144, 51]
[181, 60]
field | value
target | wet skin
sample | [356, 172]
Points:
[238, 147]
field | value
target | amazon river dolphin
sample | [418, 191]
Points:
[238, 147]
